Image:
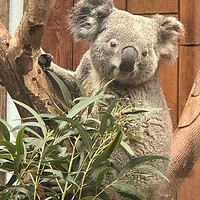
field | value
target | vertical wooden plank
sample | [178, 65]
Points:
[168, 76]
[57, 39]
[189, 64]
[4, 16]
[190, 17]
[155, 6]
[79, 49]
[120, 4]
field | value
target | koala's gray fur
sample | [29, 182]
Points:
[127, 48]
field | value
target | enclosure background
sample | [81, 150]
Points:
[176, 79]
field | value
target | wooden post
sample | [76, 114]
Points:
[189, 66]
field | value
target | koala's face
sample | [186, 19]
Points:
[125, 49]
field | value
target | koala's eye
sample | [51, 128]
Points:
[144, 53]
[113, 44]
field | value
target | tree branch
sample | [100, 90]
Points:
[185, 146]
[19, 70]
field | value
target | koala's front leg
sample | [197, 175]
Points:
[45, 61]
[1, 83]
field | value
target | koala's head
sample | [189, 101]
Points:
[123, 46]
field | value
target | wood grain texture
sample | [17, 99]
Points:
[4, 14]
[120, 4]
[168, 76]
[19, 60]
[79, 48]
[155, 6]
[4, 11]
[3, 96]
[192, 107]
[190, 17]
[189, 65]
[56, 38]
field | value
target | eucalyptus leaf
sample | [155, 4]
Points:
[108, 151]
[4, 129]
[79, 84]
[142, 159]
[64, 90]
[99, 173]
[8, 166]
[19, 142]
[84, 103]
[18, 161]
[151, 169]
[58, 173]
[84, 134]
[104, 87]
[89, 198]
[12, 180]
[35, 114]
[10, 147]
[127, 148]
[24, 191]
[34, 142]
[106, 116]
[4, 170]
[33, 132]
[127, 190]
[34, 124]
[140, 110]
[70, 180]
[51, 149]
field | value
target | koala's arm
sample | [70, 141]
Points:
[81, 72]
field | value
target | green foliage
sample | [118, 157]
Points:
[72, 159]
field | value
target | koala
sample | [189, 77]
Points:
[126, 48]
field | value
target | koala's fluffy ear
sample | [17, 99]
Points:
[86, 18]
[169, 31]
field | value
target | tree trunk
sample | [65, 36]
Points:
[185, 146]
[4, 15]
[20, 73]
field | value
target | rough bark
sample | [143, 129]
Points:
[20, 73]
[4, 14]
[185, 146]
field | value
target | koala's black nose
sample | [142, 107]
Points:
[129, 55]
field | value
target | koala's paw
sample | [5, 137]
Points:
[1, 83]
[45, 62]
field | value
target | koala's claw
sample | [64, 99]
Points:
[45, 61]
[1, 83]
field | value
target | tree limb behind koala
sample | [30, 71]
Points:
[19, 70]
